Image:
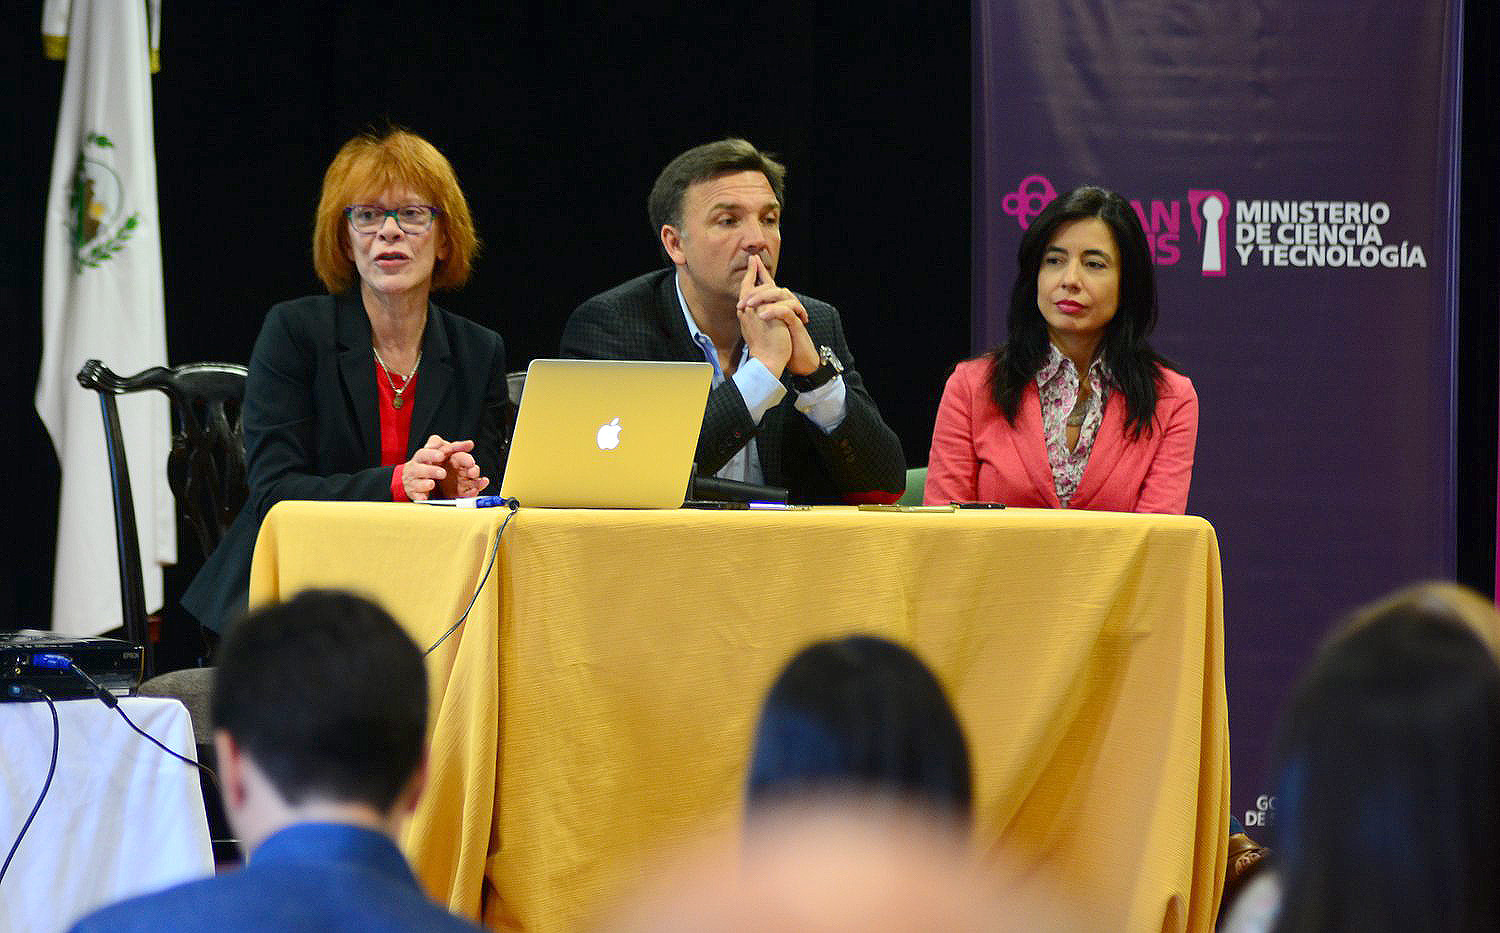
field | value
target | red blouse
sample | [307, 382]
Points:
[395, 427]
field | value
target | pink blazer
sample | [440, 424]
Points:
[977, 456]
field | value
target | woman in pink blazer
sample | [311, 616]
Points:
[1075, 409]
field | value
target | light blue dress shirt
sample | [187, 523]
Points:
[824, 406]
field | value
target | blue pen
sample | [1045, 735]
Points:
[476, 502]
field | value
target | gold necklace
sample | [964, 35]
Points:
[398, 401]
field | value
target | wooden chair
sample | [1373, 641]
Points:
[205, 469]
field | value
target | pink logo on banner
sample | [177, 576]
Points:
[1027, 201]
[1161, 219]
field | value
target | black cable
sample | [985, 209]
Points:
[113, 702]
[494, 550]
[214, 778]
[46, 785]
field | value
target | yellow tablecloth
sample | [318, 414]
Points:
[597, 704]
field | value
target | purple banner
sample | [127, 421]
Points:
[1295, 166]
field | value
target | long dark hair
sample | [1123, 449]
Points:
[861, 714]
[1388, 775]
[1131, 360]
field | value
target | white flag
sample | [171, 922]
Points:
[102, 298]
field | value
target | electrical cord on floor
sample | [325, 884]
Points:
[489, 565]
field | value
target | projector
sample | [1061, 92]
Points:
[116, 665]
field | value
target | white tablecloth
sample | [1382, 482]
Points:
[122, 816]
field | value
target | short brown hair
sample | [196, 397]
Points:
[701, 163]
[367, 165]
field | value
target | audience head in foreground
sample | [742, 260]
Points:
[319, 706]
[1441, 600]
[861, 714]
[320, 709]
[822, 866]
[1389, 774]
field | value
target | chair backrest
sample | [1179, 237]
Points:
[916, 485]
[516, 383]
[206, 466]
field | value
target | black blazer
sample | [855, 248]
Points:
[312, 430]
[861, 460]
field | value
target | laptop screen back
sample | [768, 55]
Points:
[606, 434]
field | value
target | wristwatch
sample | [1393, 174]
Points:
[827, 369]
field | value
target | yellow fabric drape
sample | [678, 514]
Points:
[597, 705]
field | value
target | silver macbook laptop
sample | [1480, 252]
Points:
[606, 434]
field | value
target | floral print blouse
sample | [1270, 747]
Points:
[1057, 383]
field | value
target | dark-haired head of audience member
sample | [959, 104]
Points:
[326, 698]
[819, 865]
[862, 715]
[1389, 776]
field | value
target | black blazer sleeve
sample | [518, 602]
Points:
[302, 433]
[863, 455]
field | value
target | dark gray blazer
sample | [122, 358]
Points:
[861, 461]
[312, 430]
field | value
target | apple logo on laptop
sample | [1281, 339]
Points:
[609, 436]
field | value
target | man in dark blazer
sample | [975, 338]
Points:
[320, 713]
[787, 407]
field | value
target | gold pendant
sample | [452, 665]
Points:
[397, 402]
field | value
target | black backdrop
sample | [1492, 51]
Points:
[557, 118]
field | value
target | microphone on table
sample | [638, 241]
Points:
[714, 488]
